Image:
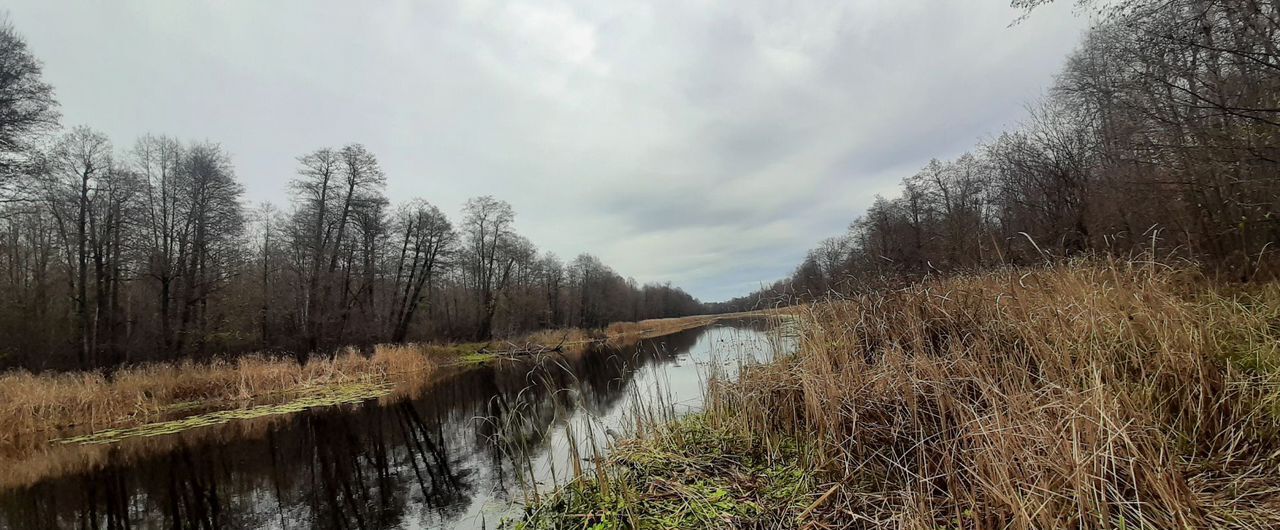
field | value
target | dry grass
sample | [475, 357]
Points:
[1089, 396]
[47, 459]
[576, 341]
[1093, 395]
[34, 408]
[658, 327]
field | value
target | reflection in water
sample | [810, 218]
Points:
[462, 453]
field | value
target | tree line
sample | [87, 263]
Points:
[1160, 136]
[113, 255]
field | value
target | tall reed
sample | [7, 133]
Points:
[34, 407]
[1084, 395]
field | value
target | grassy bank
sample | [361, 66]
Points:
[34, 407]
[1100, 395]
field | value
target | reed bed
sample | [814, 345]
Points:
[1098, 395]
[658, 327]
[577, 341]
[34, 407]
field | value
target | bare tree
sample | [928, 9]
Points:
[425, 239]
[28, 110]
[163, 221]
[487, 234]
[213, 223]
[108, 259]
[78, 166]
[332, 189]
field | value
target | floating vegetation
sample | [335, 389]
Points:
[475, 359]
[324, 396]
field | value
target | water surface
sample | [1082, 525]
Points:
[464, 452]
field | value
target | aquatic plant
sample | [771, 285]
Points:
[324, 396]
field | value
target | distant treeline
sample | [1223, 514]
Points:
[111, 256]
[1161, 136]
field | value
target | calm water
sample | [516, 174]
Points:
[463, 454]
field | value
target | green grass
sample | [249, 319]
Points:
[688, 475]
[475, 359]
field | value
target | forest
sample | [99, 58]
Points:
[147, 250]
[1159, 137]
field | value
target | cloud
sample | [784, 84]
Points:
[705, 143]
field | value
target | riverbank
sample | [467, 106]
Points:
[463, 450]
[1094, 395]
[40, 410]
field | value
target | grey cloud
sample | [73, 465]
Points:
[709, 144]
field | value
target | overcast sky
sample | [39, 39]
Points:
[706, 143]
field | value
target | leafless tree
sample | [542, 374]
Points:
[28, 110]
[425, 240]
[488, 236]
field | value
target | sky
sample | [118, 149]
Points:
[709, 144]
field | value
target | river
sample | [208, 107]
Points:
[465, 451]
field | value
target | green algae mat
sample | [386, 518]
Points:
[319, 397]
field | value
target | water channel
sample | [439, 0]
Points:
[464, 452]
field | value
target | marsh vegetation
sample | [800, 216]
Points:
[1087, 395]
